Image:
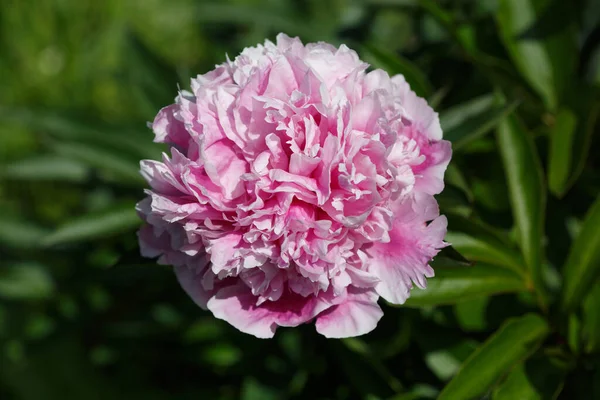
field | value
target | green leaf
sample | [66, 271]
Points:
[591, 320]
[445, 361]
[527, 194]
[585, 104]
[454, 283]
[95, 226]
[561, 141]
[451, 254]
[16, 233]
[471, 315]
[27, 281]
[538, 378]
[454, 200]
[571, 138]
[136, 144]
[456, 177]
[395, 64]
[574, 333]
[583, 263]
[113, 165]
[478, 242]
[484, 249]
[45, 167]
[512, 343]
[547, 64]
[468, 121]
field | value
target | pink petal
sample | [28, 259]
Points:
[417, 109]
[405, 258]
[356, 315]
[430, 174]
[223, 250]
[236, 305]
[225, 168]
[168, 129]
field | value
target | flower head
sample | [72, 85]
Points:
[299, 187]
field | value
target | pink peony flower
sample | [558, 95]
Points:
[299, 187]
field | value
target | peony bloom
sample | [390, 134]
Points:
[299, 187]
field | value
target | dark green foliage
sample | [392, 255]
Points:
[83, 316]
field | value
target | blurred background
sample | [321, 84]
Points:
[82, 316]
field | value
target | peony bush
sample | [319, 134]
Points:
[296, 189]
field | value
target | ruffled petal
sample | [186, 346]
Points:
[356, 315]
[404, 260]
[236, 305]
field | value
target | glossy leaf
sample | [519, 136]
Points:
[456, 177]
[571, 138]
[445, 361]
[477, 242]
[450, 254]
[527, 193]
[454, 200]
[586, 106]
[513, 342]
[453, 284]
[591, 320]
[583, 263]
[395, 64]
[574, 333]
[471, 315]
[561, 141]
[471, 120]
[25, 281]
[538, 378]
[546, 64]
[94, 226]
